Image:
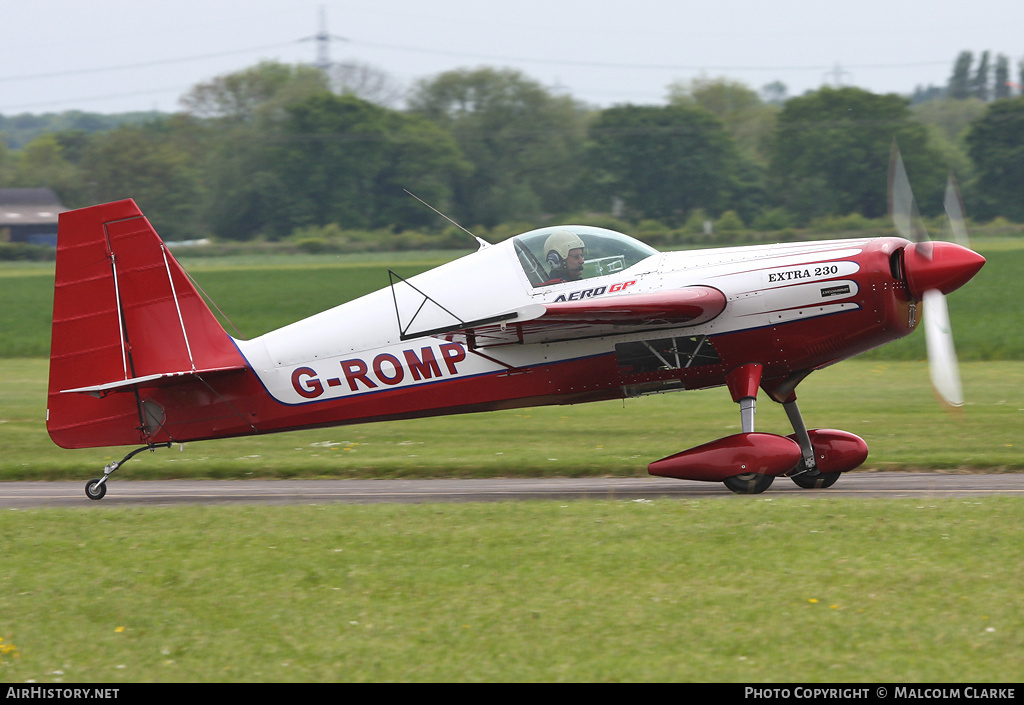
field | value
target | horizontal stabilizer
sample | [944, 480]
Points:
[154, 380]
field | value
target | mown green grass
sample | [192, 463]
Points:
[253, 298]
[889, 404]
[740, 589]
[743, 589]
[259, 297]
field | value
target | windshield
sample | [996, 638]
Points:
[574, 252]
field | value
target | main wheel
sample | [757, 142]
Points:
[818, 481]
[749, 483]
[94, 490]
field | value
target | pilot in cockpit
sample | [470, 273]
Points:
[564, 254]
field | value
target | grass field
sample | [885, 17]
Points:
[880, 396]
[740, 589]
[261, 296]
[889, 404]
[255, 298]
[728, 589]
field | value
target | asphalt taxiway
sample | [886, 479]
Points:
[20, 495]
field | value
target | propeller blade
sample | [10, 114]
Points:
[902, 206]
[933, 268]
[942, 362]
[954, 205]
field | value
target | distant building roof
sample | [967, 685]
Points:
[28, 206]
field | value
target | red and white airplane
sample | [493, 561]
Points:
[559, 315]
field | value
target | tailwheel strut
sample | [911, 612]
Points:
[97, 487]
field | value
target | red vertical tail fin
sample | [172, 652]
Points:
[125, 317]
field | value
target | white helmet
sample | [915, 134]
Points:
[560, 242]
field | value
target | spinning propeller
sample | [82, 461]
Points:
[932, 270]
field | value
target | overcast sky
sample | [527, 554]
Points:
[120, 55]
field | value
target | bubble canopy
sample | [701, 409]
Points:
[543, 252]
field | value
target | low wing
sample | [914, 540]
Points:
[588, 318]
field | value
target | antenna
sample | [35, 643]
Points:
[483, 243]
[323, 43]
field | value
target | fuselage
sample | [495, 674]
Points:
[559, 315]
[792, 308]
[138, 358]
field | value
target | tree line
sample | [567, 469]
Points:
[277, 149]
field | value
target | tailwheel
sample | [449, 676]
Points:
[95, 489]
[815, 481]
[749, 483]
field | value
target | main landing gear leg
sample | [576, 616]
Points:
[807, 474]
[97, 488]
[802, 437]
[743, 383]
